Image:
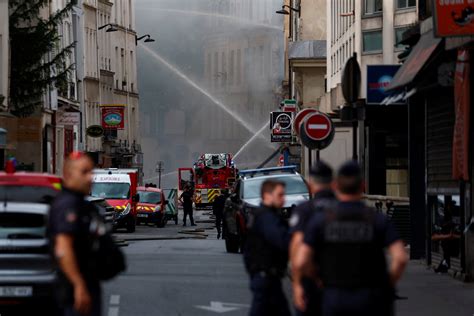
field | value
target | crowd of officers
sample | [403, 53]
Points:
[336, 247]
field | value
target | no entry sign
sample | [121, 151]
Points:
[300, 117]
[317, 131]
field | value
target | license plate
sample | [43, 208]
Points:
[16, 291]
[142, 215]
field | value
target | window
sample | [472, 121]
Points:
[401, 4]
[373, 6]
[372, 41]
[399, 36]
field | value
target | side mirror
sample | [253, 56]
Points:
[136, 198]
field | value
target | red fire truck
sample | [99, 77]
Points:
[211, 174]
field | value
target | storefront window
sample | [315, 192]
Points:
[446, 229]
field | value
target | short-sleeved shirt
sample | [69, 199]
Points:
[187, 199]
[302, 214]
[71, 214]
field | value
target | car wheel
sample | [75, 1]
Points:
[131, 225]
[232, 245]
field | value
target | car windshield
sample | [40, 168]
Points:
[149, 197]
[294, 185]
[32, 194]
[22, 226]
[111, 190]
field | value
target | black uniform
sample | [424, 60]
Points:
[187, 197]
[71, 214]
[218, 211]
[266, 258]
[300, 217]
[349, 240]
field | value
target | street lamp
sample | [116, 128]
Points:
[147, 40]
[112, 27]
[285, 12]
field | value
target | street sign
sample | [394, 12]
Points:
[289, 105]
[95, 131]
[317, 131]
[379, 78]
[281, 125]
[453, 18]
[351, 80]
[300, 117]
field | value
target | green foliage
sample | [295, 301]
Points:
[37, 62]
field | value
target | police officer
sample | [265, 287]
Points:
[218, 211]
[186, 199]
[71, 222]
[319, 182]
[347, 243]
[266, 252]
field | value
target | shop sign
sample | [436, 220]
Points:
[379, 78]
[68, 118]
[454, 18]
[95, 131]
[113, 116]
[281, 124]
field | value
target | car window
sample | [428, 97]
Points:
[149, 197]
[22, 226]
[294, 185]
[32, 194]
[111, 190]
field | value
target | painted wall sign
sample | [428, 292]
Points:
[454, 18]
[113, 117]
[68, 118]
[379, 78]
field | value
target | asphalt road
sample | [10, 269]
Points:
[178, 276]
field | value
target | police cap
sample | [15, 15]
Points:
[321, 172]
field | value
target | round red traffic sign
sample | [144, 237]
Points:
[318, 126]
[300, 117]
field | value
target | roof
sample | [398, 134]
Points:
[415, 62]
[307, 50]
[148, 189]
[30, 178]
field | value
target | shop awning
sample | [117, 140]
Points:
[420, 54]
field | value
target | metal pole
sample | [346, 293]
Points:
[159, 169]
[354, 140]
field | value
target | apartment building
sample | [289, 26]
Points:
[4, 53]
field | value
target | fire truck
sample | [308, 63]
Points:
[210, 174]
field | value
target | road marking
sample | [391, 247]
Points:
[114, 308]
[318, 126]
[114, 300]
[113, 311]
[221, 307]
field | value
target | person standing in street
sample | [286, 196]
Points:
[186, 199]
[71, 219]
[266, 252]
[319, 182]
[218, 211]
[345, 244]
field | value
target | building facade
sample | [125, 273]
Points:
[4, 53]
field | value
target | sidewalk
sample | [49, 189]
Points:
[432, 294]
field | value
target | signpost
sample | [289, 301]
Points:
[453, 18]
[281, 126]
[317, 131]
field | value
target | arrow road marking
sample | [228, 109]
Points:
[318, 126]
[114, 305]
[220, 307]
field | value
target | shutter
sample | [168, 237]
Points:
[439, 142]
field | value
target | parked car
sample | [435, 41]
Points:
[151, 207]
[27, 274]
[246, 196]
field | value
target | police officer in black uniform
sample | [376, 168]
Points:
[186, 199]
[71, 225]
[218, 211]
[266, 252]
[346, 243]
[319, 182]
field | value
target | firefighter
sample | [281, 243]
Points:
[346, 242]
[218, 211]
[186, 199]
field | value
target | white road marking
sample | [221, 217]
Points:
[113, 311]
[114, 300]
[318, 126]
[220, 307]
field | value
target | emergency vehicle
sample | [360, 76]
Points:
[211, 174]
[119, 188]
[151, 206]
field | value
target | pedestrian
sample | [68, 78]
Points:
[345, 244]
[320, 187]
[218, 211]
[266, 252]
[71, 219]
[186, 199]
